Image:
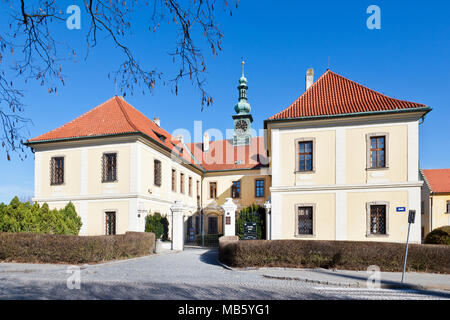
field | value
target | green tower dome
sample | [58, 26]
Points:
[242, 107]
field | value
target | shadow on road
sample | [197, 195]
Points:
[210, 257]
[156, 291]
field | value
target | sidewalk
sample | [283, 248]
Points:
[345, 278]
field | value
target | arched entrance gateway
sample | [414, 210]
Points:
[207, 225]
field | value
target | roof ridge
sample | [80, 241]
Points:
[367, 88]
[333, 94]
[125, 114]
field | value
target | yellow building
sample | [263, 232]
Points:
[435, 199]
[117, 166]
[344, 164]
[340, 163]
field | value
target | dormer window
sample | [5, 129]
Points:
[160, 136]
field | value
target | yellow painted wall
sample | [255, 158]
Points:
[357, 215]
[325, 157]
[440, 216]
[224, 182]
[95, 185]
[323, 217]
[96, 219]
[164, 192]
[397, 170]
[71, 184]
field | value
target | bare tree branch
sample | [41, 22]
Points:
[32, 53]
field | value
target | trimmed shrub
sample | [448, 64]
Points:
[350, 255]
[439, 236]
[26, 217]
[46, 248]
[253, 213]
[157, 224]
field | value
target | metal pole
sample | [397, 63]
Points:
[203, 229]
[406, 253]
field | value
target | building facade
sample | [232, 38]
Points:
[435, 199]
[344, 164]
[117, 166]
[340, 163]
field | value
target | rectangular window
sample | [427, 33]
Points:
[182, 182]
[236, 189]
[377, 223]
[110, 219]
[174, 180]
[448, 206]
[212, 225]
[109, 167]
[305, 220]
[305, 156]
[190, 186]
[157, 173]
[377, 152]
[213, 190]
[57, 171]
[259, 188]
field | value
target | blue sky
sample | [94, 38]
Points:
[409, 58]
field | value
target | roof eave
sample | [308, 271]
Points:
[32, 143]
[425, 109]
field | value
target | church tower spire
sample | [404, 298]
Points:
[242, 118]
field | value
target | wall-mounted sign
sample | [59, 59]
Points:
[401, 209]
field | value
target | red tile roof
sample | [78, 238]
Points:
[333, 94]
[437, 179]
[222, 155]
[115, 116]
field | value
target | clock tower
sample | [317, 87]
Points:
[242, 119]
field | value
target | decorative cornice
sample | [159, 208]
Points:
[337, 187]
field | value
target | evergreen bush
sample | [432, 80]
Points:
[32, 218]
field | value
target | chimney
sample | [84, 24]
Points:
[180, 138]
[206, 142]
[157, 121]
[309, 78]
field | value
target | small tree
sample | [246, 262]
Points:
[157, 224]
[439, 236]
[253, 213]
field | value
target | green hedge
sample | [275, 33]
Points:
[253, 213]
[70, 249]
[157, 224]
[26, 217]
[350, 255]
[439, 236]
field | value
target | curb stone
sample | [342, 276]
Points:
[351, 285]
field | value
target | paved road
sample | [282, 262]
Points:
[191, 274]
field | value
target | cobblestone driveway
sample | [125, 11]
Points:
[191, 274]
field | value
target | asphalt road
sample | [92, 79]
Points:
[191, 274]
